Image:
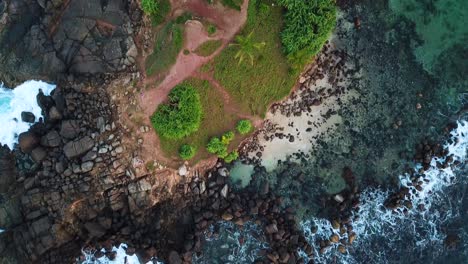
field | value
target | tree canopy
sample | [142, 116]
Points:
[181, 115]
[308, 24]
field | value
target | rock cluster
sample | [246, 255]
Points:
[50, 39]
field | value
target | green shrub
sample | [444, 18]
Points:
[308, 24]
[181, 115]
[150, 7]
[231, 157]
[244, 126]
[216, 146]
[227, 137]
[187, 152]
[186, 52]
[208, 47]
[211, 29]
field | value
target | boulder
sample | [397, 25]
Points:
[28, 117]
[87, 166]
[77, 148]
[54, 114]
[28, 141]
[174, 258]
[70, 129]
[183, 170]
[95, 229]
[38, 154]
[51, 139]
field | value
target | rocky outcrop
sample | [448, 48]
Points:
[49, 39]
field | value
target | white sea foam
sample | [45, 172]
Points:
[13, 102]
[374, 220]
[120, 258]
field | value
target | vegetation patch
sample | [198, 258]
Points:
[215, 122]
[187, 152]
[253, 88]
[156, 9]
[167, 45]
[234, 4]
[208, 47]
[181, 115]
[244, 126]
[307, 25]
[211, 29]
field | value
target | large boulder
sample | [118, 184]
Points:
[51, 139]
[28, 141]
[70, 129]
[74, 149]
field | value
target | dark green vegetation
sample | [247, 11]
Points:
[211, 29]
[181, 115]
[307, 25]
[219, 147]
[168, 43]
[234, 4]
[156, 9]
[244, 126]
[247, 48]
[208, 47]
[215, 121]
[187, 152]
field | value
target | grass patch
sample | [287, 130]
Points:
[215, 122]
[270, 79]
[234, 4]
[167, 45]
[208, 47]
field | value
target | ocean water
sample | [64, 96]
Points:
[13, 102]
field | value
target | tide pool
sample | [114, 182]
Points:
[13, 102]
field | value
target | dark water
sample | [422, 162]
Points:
[413, 60]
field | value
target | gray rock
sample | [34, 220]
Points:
[28, 117]
[87, 166]
[70, 129]
[224, 191]
[174, 258]
[79, 147]
[183, 170]
[51, 139]
[38, 154]
[91, 155]
[95, 229]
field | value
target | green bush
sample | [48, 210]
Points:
[244, 126]
[227, 137]
[216, 146]
[187, 152]
[150, 7]
[308, 24]
[181, 115]
[231, 157]
[211, 29]
[183, 18]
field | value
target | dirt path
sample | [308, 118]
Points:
[228, 22]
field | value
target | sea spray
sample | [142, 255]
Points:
[88, 257]
[379, 231]
[228, 243]
[13, 102]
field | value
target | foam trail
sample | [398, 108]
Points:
[376, 224]
[13, 102]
